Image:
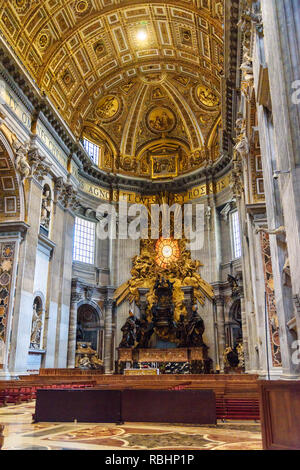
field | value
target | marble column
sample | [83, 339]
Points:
[75, 298]
[108, 336]
[220, 320]
[278, 50]
[23, 303]
[65, 275]
[12, 240]
[246, 294]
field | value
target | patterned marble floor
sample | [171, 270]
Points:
[21, 434]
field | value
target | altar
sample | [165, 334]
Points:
[148, 371]
[164, 329]
[175, 361]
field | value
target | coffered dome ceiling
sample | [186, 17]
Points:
[141, 79]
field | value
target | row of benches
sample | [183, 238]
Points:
[227, 407]
[236, 408]
[18, 394]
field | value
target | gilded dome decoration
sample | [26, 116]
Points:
[82, 7]
[161, 120]
[207, 96]
[135, 73]
[108, 107]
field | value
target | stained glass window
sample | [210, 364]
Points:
[167, 252]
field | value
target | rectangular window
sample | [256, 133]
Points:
[92, 150]
[236, 235]
[84, 241]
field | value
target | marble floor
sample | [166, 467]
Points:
[21, 434]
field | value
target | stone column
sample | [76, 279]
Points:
[75, 298]
[108, 336]
[9, 245]
[22, 317]
[220, 320]
[278, 50]
[245, 330]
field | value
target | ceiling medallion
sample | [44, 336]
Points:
[22, 6]
[161, 120]
[82, 7]
[99, 48]
[67, 78]
[108, 108]
[43, 40]
[207, 96]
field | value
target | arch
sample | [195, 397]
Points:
[162, 142]
[41, 296]
[92, 304]
[212, 135]
[36, 335]
[12, 205]
[90, 328]
[98, 135]
[233, 325]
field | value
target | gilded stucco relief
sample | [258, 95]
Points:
[88, 57]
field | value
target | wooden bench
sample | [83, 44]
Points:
[20, 392]
[1, 436]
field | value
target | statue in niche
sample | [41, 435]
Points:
[129, 332]
[247, 67]
[46, 208]
[195, 329]
[235, 290]
[36, 327]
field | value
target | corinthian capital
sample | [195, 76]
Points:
[66, 194]
[40, 167]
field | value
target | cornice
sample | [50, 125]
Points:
[232, 62]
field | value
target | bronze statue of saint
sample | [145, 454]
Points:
[181, 332]
[129, 332]
[144, 333]
[195, 329]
